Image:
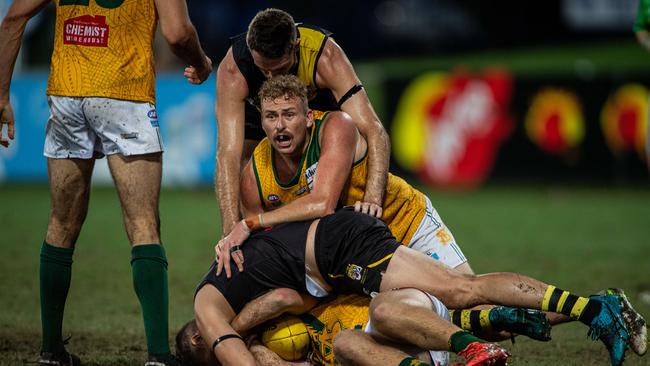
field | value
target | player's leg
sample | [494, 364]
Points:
[69, 191]
[436, 240]
[354, 347]
[410, 316]
[69, 146]
[130, 137]
[137, 179]
[604, 314]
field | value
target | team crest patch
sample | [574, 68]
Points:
[354, 272]
[274, 199]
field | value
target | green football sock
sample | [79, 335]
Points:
[461, 339]
[55, 275]
[149, 267]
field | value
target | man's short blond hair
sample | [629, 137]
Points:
[287, 86]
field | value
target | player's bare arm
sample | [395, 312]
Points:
[213, 315]
[335, 72]
[179, 32]
[11, 34]
[250, 199]
[338, 142]
[266, 357]
[231, 93]
[271, 305]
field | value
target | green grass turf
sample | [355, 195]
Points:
[579, 239]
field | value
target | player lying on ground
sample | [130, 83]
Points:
[390, 317]
[349, 252]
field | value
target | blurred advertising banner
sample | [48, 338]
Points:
[185, 114]
[459, 129]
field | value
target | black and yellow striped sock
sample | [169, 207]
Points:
[472, 320]
[579, 308]
[410, 361]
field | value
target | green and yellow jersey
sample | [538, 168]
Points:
[404, 206]
[327, 320]
[103, 48]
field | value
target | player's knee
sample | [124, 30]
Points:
[380, 314]
[63, 231]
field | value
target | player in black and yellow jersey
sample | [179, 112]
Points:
[275, 45]
[349, 252]
[101, 93]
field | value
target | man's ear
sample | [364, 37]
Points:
[310, 118]
[196, 339]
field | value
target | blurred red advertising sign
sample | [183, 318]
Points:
[554, 121]
[448, 126]
[624, 119]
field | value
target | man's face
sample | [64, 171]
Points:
[279, 66]
[286, 124]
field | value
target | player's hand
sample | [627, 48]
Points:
[369, 208]
[230, 247]
[6, 118]
[197, 76]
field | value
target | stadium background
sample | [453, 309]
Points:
[523, 121]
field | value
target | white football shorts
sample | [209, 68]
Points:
[89, 127]
[439, 358]
[434, 239]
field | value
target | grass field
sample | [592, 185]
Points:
[580, 239]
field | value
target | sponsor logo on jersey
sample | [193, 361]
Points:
[309, 175]
[153, 118]
[86, 30]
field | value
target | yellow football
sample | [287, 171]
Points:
[287, 336]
